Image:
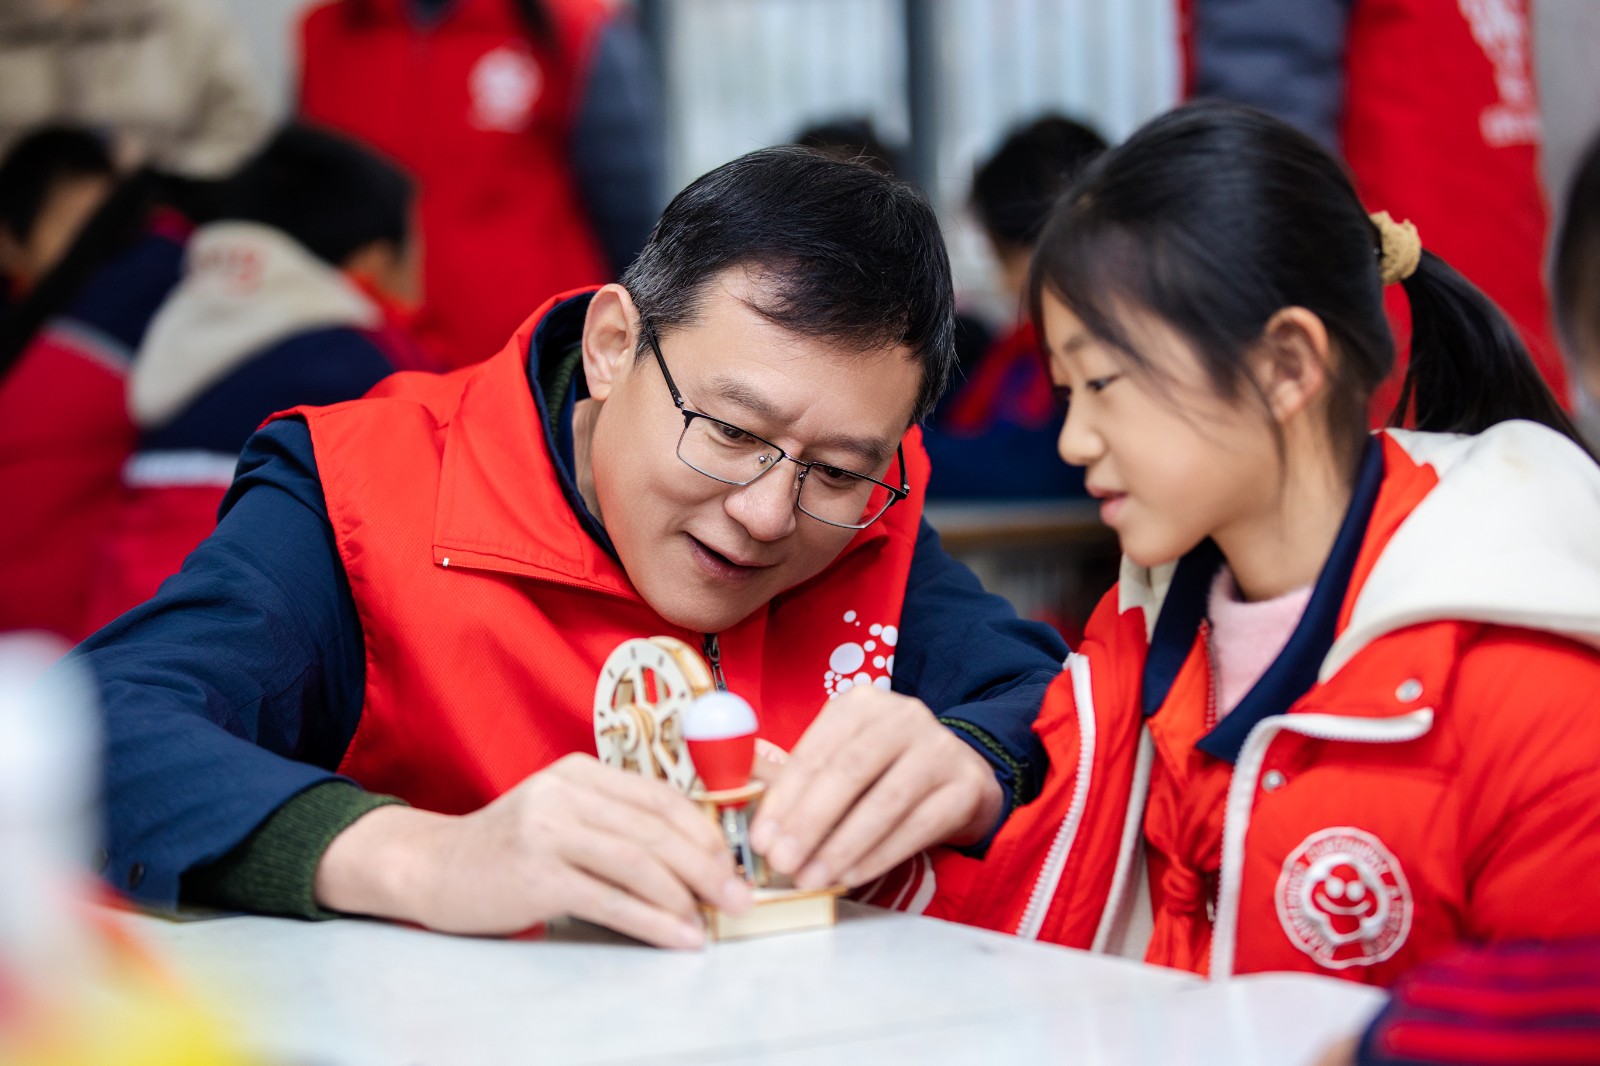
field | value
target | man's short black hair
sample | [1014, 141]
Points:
[331, 193]
[848, 254]
[40, 161]
[1015, 188]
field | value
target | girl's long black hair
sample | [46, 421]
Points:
[1215, 216]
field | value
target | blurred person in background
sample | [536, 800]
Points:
[1432, 105]
[290, 298]
[994, 437]
[855, 138]
[167, 81]
[1577, 292]
[534, 128]
[89, 259]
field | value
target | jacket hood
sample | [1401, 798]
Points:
[245, 287]
[1508, 534]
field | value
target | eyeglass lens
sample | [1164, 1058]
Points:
[731, 455]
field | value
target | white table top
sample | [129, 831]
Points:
[880, 987]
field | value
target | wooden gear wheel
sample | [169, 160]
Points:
[639, 700]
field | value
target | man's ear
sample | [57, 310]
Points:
[610, 339]
[1291, 363]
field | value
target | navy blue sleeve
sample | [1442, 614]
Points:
[236, 687]
[983, 670]
[1286, 59]
[619, 152]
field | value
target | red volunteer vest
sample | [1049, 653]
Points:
[1441, 126]
[487, 610]
[482, 116]
[64, 435]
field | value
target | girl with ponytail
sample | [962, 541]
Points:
[1338, 714]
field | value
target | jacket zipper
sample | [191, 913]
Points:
[1055, 862]
[713, 649]
[1214, 900]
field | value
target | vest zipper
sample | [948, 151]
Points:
[713, 650]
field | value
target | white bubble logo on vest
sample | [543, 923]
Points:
[504, 85]
[868, 660]
[1343, 899]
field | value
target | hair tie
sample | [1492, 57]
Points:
[1399, 248]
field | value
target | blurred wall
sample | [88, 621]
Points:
[269, 27]
[1567, 47]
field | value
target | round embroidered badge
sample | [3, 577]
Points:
[1343, 899]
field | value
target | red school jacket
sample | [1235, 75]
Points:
[1436, 785]
[487, 610]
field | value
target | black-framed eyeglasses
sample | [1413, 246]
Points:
[732, 455]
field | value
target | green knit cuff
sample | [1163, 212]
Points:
[273, 870]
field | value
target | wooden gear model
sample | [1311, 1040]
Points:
[644, 688]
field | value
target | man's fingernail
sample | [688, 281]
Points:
[735, 895]
[762, 834]
[690, 935]
[786, 855]
[813, 876]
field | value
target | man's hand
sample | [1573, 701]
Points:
[577, 838]
[874, 780]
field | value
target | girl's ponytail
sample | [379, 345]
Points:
[1469, 369]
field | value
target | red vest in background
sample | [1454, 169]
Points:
[487, 610]
[483, 117]
[1441, 126]
[64, 435]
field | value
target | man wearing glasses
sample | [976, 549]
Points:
[371, 690]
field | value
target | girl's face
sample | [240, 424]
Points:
[1171, 461]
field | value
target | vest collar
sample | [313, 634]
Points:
[503, 500]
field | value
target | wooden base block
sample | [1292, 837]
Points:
[776, 910]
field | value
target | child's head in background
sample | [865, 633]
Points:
[1014, 189]
[51, 183]
[348, 205]
[1577, 291]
